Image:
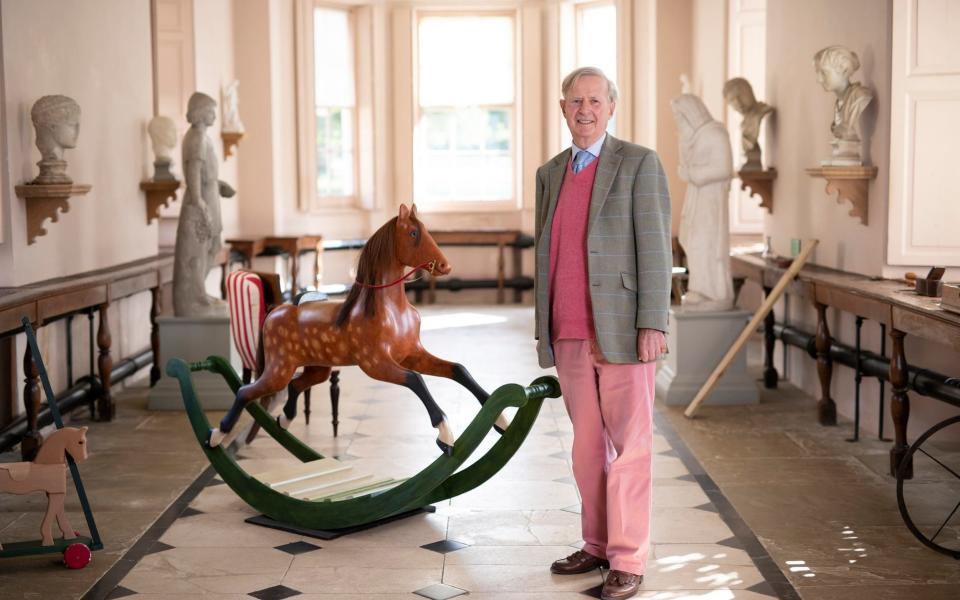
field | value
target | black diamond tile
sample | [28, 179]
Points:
[593, 592]
[688, 477]
[120, 592]
[440, 591]
[763, 588]
[709, 507]
[444, 546]
[731, 542]
[300, 547]
[189, 512]
[671, 452]
[277, 592]
[569, 480]
[573, 508]
[158, 547]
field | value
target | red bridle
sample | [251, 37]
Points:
[432, 264]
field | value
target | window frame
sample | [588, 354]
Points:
[309, 199]
[474, 205]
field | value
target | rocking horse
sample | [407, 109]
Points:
[375, 328]
[48, 473]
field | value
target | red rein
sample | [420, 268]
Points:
[430, 264]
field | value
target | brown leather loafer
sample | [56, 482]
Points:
[578, 562]
[620, 584]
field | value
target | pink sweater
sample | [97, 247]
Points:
[571, 313]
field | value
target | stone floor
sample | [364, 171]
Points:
[810, 503]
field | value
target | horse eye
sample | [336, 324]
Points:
[414, 233]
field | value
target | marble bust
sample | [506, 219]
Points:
[738, 93]
[163, 136]
[706, 164]
[57, 122]
[199, 227]
[834, 66]
[231, 111]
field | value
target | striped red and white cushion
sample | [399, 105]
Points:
[247, 310]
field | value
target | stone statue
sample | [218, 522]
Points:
[163, 134]
[199, 227]
[57, 121]
[231, 111]
[835, 65]
[706, 164]
[738, 93]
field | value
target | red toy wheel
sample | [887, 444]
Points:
[77, 556]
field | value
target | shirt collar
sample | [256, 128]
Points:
[594, 148]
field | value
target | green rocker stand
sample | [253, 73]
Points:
[324, 494]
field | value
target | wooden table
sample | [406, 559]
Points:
[500, 238]
[292, 246]
[47, 301]
[888, 301]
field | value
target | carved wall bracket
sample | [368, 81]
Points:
[230, 140]
[47, 201]
[759, 183]
[849, 183]
[159, 195]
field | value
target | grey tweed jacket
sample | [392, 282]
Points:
[629, 257]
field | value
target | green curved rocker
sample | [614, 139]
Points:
[437, 482]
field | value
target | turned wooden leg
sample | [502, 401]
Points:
[31, 402]
[105, 405]
[501, 278]
[335, 399]
[306, 405]
[770, 375]
[155, 335]
[826, 407]
[294, 274]
[517, 274]
[899, 404]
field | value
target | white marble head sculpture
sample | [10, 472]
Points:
[690, 113]
[834, 66]
[57, 122]
[201, 110]
[739, 94]
[163, 135]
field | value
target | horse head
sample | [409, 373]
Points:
[76, 443]
[415, 246]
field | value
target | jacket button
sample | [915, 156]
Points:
[595, 284]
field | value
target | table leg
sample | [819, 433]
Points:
[500, 273]
[105, 406]
[32, 440]
[155, 335]
[770, 375]
[826, 407]
[294, 273]
[517, 273]
[899, 404]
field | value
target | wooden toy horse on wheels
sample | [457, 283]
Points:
[375, 328]
[48, 473]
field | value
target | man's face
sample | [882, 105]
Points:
[587, 109]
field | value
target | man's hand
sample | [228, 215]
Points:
[651, 344]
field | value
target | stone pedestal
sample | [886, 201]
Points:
[697, 341]
[193, 339]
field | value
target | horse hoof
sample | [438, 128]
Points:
[446, 448]
[501, 425]
[215, 437]
[283, 421]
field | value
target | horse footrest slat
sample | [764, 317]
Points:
[317, 490]
[300, 472]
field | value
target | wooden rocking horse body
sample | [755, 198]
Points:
[48, 473]
[375, 328]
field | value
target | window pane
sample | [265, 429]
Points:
[333, 58]
[335, 150]
[465, 61]
[597, 38]
[474, 162]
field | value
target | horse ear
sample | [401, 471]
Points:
[413, 211]
[84, 429]
[404, 213]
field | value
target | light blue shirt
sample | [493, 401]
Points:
[594, 149]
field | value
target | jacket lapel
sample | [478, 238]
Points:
[609, 164]
[556, 181]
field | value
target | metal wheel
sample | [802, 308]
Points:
[930, 504]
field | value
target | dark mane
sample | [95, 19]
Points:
[377, 253]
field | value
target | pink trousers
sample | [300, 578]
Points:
[611, 409]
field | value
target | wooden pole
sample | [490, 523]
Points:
[758, 316]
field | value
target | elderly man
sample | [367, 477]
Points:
[603, 286]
